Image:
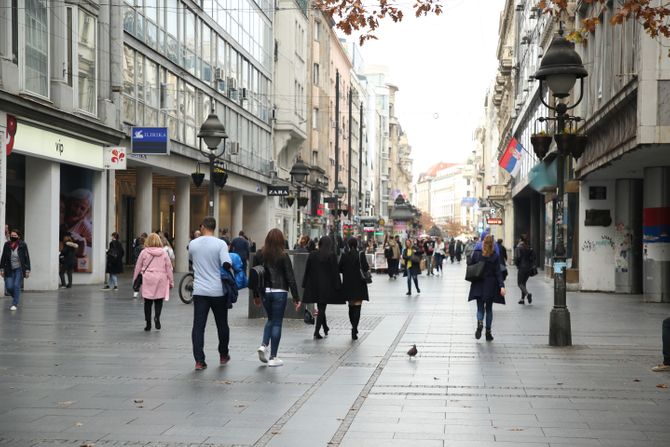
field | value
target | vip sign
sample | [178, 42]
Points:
[115, 158]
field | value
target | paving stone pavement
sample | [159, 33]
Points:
[76, 368]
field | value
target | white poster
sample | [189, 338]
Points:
[115, 157]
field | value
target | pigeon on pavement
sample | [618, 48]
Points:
[412, 351]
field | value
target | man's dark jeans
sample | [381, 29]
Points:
[201, 306]
[666, 341]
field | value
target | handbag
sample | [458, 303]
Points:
[533, 271]
[366, 276]
[138, 281]
[475, 272]
[308, 318]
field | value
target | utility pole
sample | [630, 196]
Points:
[337, 127]
[351, 101]
[360, 160]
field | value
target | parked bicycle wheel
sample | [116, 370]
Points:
[186, 289]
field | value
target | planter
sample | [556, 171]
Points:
[580, 146]
[198, 178]
[541, 145]
[219, 178]
[290, 200]
[302, 201]
[565, 142]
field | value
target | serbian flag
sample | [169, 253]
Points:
[511, 158]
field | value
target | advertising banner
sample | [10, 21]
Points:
[149, 141]
[76, 213]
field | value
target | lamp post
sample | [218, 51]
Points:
[560, 68]
[212, 132]
[299, 173]
[338, 192]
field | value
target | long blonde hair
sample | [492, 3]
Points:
[487, 246]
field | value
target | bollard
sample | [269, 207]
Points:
[299, 261]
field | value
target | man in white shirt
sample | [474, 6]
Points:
[208, 253]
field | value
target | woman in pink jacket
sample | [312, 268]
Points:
[156, 268]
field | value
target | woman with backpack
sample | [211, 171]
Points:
[114, 262]
[278, 279]
[354, 287]
[157, 279]
[489, 289]
[322, 282]
[524, 259]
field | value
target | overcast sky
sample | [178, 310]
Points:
[443, 66]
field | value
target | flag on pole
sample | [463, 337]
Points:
[511, 158]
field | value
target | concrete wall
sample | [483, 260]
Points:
[596, 243]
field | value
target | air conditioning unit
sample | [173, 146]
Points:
[232, 83]
[244, 93]
[234, 148]
[219, 74]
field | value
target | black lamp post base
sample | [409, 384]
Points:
[560, 331]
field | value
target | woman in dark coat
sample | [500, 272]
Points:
[489, 290]
[68, 259]
[452, 250]
[524, 259]
[114, 262]
[354, 288]
[413, 266]
[322, 282]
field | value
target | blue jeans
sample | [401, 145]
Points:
[201, 306]
[412, 276]
[113, 280]
[13, 285]
[274, 304]
[485, 308]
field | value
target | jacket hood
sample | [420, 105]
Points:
[154, 251]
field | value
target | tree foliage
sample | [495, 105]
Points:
[355, 16]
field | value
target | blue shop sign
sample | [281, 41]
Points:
[149, 140]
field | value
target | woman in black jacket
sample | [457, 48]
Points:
[354, 287]
[322, 282]
[490, 289]
[524, 259]
[114, 262]
[14, 266]
[412, 260]
[68, 260]
[279, 278]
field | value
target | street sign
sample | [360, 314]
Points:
[278, 191]
[497, 191]
[149, 140]
[494, 221]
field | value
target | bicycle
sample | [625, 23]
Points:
[186, 288]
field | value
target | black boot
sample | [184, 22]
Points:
[157, 322]
[523, 296]
[356, 314]
[478, 332]
[489, 336]
[148, 326]
[530, 298]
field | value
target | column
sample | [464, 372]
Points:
[628, 236]
[183, 221]
[236, 213]
[143, 201]
[42, 221]
[655, 228]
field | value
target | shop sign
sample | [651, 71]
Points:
[494, 221]
[368, 229]
[497, 191]
[278, 191]
[149, 140]
[42, 143]
[115, 158]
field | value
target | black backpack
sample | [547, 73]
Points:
[257, 280]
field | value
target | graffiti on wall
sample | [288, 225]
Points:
[623, 245]
[593, 245]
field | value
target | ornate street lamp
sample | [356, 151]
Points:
[211, 133]
[299, 173]
[560, 68]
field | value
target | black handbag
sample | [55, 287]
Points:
[308, 318]
[138, 281]
[533, 271]
[475, 272]
[366, 276]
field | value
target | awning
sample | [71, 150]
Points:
[543, 177]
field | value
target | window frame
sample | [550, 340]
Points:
[22, 53]
[75, 61]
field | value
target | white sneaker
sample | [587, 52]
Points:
[262, 354]
[136, 294]
[275, 362]
[13, 308]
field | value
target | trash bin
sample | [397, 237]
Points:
[299, 261]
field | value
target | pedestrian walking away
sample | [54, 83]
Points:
[412, 266]
[322, 283]
[115, 262]
[524, 259]
[429, 250]
[68, 260]
[354, 287]
[15, 266]
[488, 290]
[458, 250]
[167, 247]
[503, 258]
[388, 254]
[241, 246]
[452, 250]
[665, 366]
[208, 254]
[155, 266]
[439, 256]
[279, 279]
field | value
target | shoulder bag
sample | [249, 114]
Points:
[475, 272]
[366, 276]
[138, 281]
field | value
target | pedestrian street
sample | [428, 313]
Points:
[77, 368]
